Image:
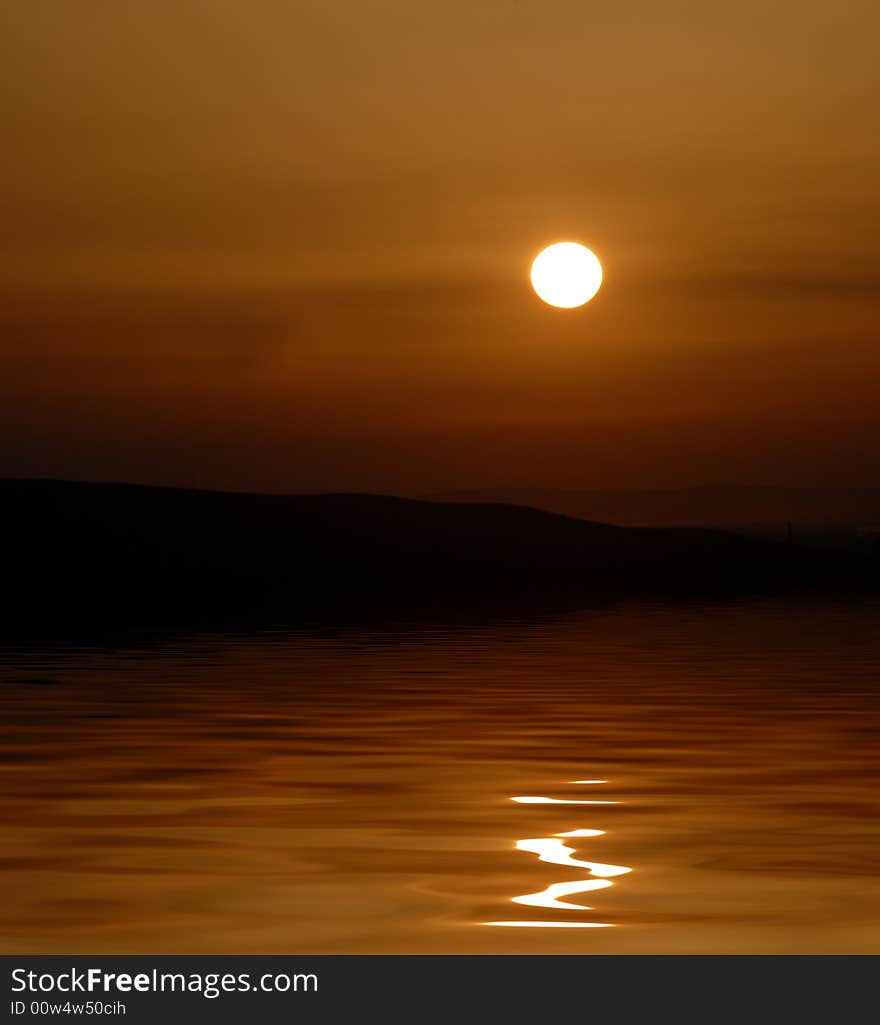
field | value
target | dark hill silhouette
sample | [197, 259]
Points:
[726, 506]
[133, 555]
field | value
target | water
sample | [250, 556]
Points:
[636, 779]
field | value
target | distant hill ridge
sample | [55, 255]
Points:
[134, 553]
[712, 505]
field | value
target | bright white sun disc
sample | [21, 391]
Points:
[566, 275]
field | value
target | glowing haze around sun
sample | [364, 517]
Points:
[566, 275]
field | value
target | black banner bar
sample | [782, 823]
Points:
[609, 989]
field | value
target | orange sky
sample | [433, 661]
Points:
[285, 246]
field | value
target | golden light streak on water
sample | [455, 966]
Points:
[554, 925]
[555, 800]
[549, 898]
[552, 850]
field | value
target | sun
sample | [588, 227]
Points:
[566, 275]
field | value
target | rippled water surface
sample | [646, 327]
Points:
[638, 779]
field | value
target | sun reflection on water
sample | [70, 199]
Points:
[555, 800]
[553, 850]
